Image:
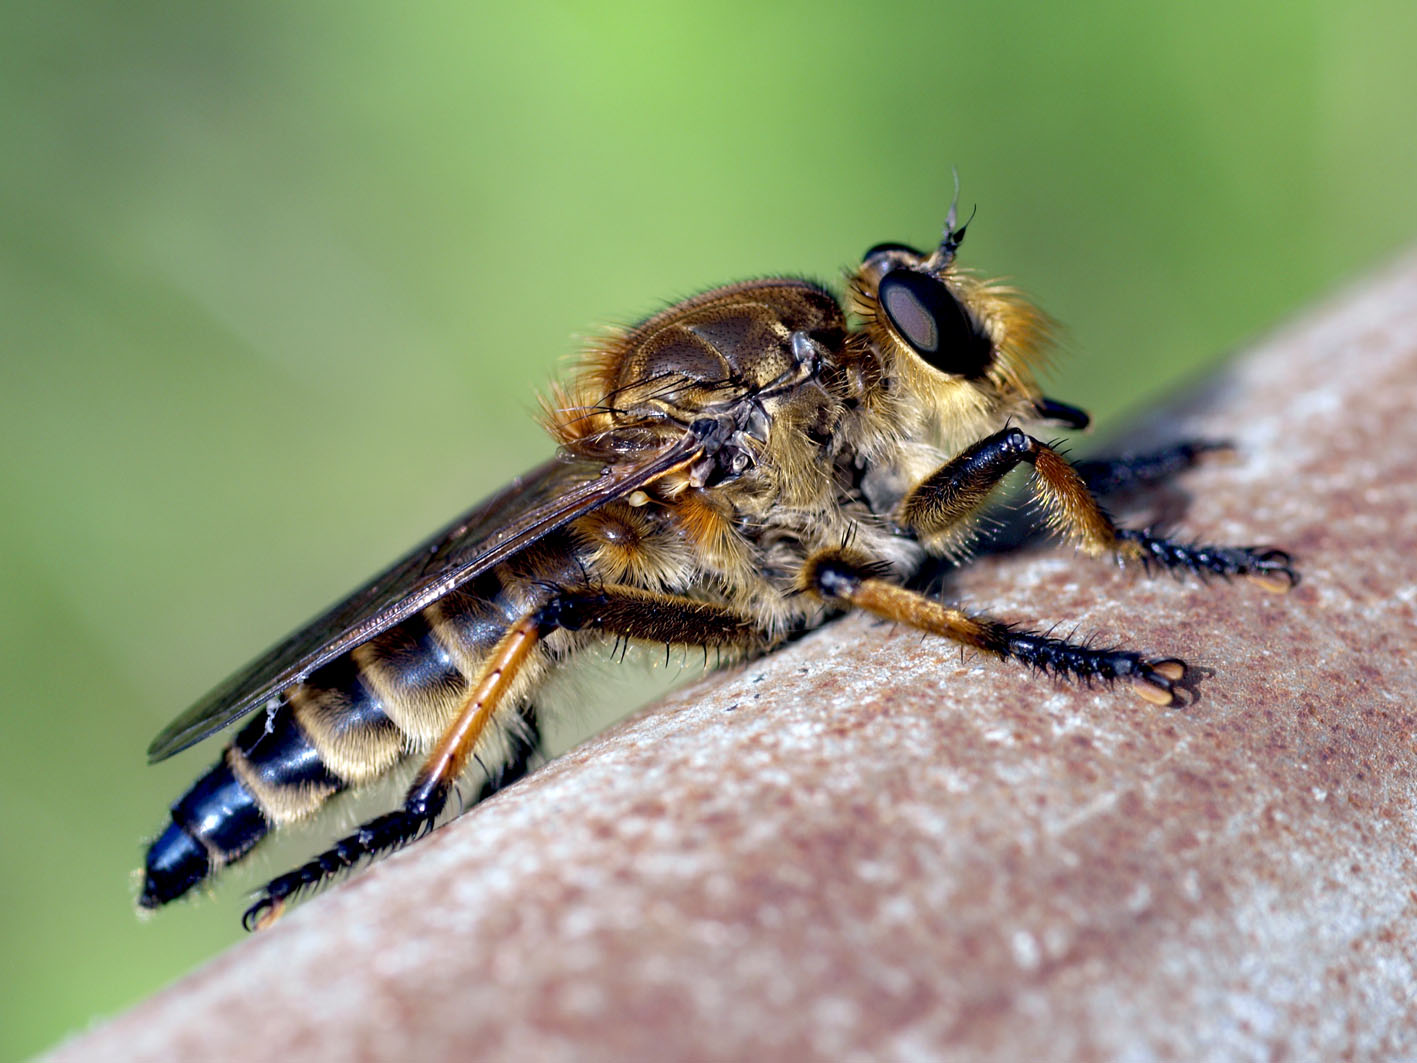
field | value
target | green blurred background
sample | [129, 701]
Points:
[278, 283]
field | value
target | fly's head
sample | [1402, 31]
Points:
[963, 349]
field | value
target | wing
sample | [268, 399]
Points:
[531, 507]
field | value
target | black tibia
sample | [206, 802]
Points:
[956, 490]
[392, 830]
[648, 616]
[1132, 472]
[382, 835]
[376, 838]
[1270, 567]
[428, 795]
[938, 507]
[849, 580]
[625, 612]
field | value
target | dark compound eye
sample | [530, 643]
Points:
[881, 249]
[928, 317]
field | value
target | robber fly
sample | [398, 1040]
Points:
[734, 470]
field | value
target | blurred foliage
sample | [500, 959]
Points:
[278, 283]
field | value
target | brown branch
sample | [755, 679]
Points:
[864, 846]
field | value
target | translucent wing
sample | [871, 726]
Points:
[531, 507]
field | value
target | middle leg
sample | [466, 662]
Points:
[840, 577]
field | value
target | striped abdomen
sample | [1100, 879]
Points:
[349, 723]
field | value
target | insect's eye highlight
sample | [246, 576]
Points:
[926, 315]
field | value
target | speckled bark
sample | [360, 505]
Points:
[865, 846]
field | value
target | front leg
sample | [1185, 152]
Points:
[844, 578]
[939, 508]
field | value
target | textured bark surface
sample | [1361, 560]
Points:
[866, 846]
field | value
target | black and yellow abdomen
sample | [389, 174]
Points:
[347, 724]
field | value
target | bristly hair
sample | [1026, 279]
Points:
[579, 408]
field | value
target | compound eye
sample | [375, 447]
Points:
[925, 313]
[883, 249]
